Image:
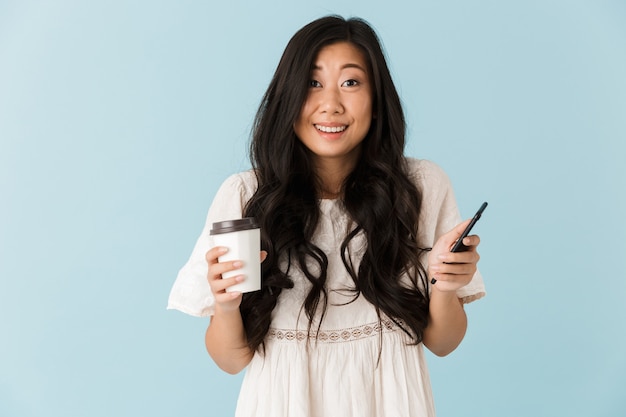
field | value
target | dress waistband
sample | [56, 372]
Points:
[334, 336]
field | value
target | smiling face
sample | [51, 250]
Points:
[337, 113]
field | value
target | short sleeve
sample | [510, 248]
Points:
[440, 214]
[191, 293]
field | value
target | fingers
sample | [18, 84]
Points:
[466, 257]
[461, 269]
[473, 240]
[454, 269]
[214, 253]
[217, 282]
[217, 270]
[451, 277]
[223, 299]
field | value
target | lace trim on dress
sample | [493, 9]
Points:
[334, 336]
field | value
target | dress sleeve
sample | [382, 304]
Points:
[191, 293]
[440, 214]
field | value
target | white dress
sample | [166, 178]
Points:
[352, 366]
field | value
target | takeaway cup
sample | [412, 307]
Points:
[242, 237]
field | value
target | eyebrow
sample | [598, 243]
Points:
[348, 65]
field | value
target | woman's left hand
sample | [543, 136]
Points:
[453, 270]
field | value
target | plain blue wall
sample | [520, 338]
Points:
[119, 119]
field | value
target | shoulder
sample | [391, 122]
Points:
[242, 184]
[426, 173]
[232, 196]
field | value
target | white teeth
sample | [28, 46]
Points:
[327, 129]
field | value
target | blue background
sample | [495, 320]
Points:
[119, 120]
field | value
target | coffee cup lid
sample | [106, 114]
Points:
[228, 226]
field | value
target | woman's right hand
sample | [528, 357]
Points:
[225, 301]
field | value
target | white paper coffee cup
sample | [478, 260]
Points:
[242, 237]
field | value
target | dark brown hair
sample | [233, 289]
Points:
[380, 197]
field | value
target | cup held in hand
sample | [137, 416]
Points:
[242, 237]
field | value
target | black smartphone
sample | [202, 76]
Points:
[459, 246]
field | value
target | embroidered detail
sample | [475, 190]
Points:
[333, 336]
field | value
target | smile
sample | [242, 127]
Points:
[331, 129]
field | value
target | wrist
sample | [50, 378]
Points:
[227, 311]
[440, 292]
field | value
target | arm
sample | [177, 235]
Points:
[447, 319]
[225, 337]
[225, 340]
[447, 323]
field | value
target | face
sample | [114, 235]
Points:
[337, 113]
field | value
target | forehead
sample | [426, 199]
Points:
[340, 54]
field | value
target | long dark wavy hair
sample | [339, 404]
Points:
[382, 200]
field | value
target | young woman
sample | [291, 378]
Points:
[357, 270]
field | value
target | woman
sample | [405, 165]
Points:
[353, 232]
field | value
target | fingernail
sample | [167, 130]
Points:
[239, 278]
[222, 249]
[237, 264]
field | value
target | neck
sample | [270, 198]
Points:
[331, 177]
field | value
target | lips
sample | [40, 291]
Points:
[331, 129]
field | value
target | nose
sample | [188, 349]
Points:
[330, 101]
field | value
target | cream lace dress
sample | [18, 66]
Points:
[336, 371]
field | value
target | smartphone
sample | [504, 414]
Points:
[459, 246]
